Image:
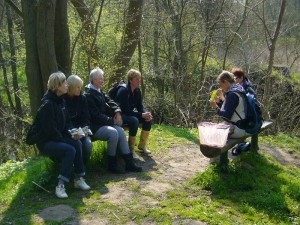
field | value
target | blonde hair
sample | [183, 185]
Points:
[55, 80]
[73, 82]
[95, 73]
[132, 73]
[226, 76]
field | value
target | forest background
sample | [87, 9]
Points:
[180, 47]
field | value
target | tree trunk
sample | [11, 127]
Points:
[45, 39]
[129, 39]
[85, 15]
[33, 72]
[62, 37]
[268, 85]
[13, 62]
[156, 69]
[6, 83]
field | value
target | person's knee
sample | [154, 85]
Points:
[113, 135]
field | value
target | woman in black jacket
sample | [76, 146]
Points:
[133, 111]
[53, 119]
[79, 113]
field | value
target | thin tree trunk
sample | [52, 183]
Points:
[13, 62]
[129, 39]
[85, 14]
[6, 83]
[235, 33]
[156, 69]
[268, 84]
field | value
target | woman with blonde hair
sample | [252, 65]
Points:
[133, 111]
[79, 113]
[54, 122]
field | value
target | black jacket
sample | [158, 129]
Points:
[101, 107]
[130, 102]
[78, 110]
[53, 118]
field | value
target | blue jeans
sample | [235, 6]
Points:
[133, 124]
[69, 151]
[87, 147]
[115, 137]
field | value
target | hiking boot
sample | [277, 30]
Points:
[80, 184]
[130, 165]
[60, 191]
[113, 165]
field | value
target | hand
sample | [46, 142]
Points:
[147, 116]
[213, 104]
[118, 118]
[76, 137]
[220, 94]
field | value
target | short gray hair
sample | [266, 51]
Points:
[95, 73]
[55, 80]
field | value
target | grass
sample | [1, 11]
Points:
[256, 189]
[284, 141]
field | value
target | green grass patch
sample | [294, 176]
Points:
[284, 141]
[254, 190]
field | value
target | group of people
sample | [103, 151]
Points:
[65, 107]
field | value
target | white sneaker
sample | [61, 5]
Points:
[135, 156]
[80, 184]
[60, 191]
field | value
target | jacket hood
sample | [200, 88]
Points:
[237, 88]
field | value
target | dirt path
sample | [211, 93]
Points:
[168, 171]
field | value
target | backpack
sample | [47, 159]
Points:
[253, 121]
[112, 92]
[35, 133]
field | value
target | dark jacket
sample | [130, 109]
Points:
[78, 110]
[53, 118]
[231, 103]
[130, 102]
[101, 107]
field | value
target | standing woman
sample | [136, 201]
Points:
[79, 113]
[53, 119]
[133, 111]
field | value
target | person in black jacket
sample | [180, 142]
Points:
[79, 113]
[53, 119]
[106, 121]
[133, 111]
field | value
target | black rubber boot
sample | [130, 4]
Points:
[113, 165]
[130, 165]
